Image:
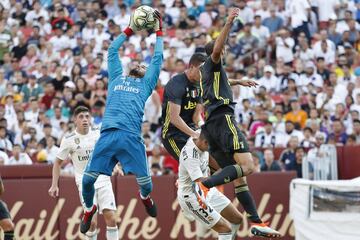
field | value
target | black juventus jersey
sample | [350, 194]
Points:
[215, 87]
[181, 91]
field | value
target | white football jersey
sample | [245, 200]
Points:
[79, 148]
[193, 164]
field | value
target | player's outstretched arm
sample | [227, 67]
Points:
[220, 41]
[153, 71]
[114, 63]
[243, 82]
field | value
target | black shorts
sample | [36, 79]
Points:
[174, 144]
[224, 137]
[4, 212]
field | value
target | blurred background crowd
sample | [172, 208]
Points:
[303, 53]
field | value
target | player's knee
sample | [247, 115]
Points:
[248, 167]
[110, 218]
[88, 182]
[7, 225]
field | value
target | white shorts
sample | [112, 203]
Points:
[104, 198]
[216, 202]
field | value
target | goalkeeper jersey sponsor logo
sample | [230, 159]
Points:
[126, 88]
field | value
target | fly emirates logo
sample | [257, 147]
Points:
[125, 86]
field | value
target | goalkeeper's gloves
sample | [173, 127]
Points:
[131, 28]
[158, 25]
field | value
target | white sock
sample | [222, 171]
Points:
[234, 230]
[225, 236]
[112, 233]
[91, 235]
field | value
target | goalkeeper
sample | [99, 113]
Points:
[120, 139]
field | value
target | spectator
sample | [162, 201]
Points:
[207, 17]
[287, 157]
[267, 138]
[246, 14]
[269, 80]
[5, 143]
[299, 156]
[284, 45]
[3, 158]
[32, 89]
[326, 11]
[48, 132]
[51, 150]
[19, 157]
[274, 23]
[270, 164]
[338, 136]
[299, 11]
[310, 77]
[309, 140]
[297, 115]
[256, 160]
[356, 130]
[260, 31]
[247, 40]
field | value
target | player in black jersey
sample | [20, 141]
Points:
[227, 143]
[6, 224]
[181, 109]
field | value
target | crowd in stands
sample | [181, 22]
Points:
[303, 53]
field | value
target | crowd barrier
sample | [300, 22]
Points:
[39, 217]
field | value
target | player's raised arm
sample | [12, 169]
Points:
[153, 71]
[114, 63]
[220, 41]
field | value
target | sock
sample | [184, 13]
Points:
[9, 235]
[145, 185]
[234, 230]
[88, 190]
[225, 236]
[91, 235]
[226, 175]
[247, 201]
[112, 233]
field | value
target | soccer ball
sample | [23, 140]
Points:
[144, 17]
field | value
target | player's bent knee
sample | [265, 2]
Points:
[7, 225]
[88, 182]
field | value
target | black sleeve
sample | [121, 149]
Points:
[175, 91]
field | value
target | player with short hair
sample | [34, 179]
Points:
[120, 139]
[78, 145]
[227, 143]
[6, 224]
[217, 213]
[181, 109]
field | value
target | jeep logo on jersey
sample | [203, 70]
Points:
[190, 105]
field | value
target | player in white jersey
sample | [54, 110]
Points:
[217, 212]
[79, 145]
